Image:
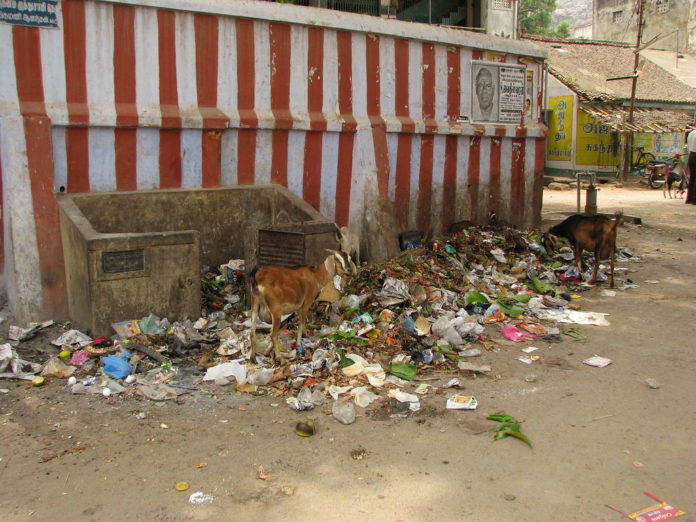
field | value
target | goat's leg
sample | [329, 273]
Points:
[275, 316]
[254, 315]
[304, 310]
[611, 263]
[597, 250]
[578, 258]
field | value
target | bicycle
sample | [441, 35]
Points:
[640, 160]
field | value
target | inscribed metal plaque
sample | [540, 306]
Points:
[123, 261]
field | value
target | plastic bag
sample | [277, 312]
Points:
[515, 334]
[54, 367]
[116, 367]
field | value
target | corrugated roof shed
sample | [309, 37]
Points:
[644, 120]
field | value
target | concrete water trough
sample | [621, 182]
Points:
[128, 254]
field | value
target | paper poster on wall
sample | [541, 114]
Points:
[661, 145]
[644, 140]
[497, 92]
[529, 94]
[596, 143]
[495, 57]
[668, 143]
[560, 137]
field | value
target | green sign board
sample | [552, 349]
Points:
[40, 13]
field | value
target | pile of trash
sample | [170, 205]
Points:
[434, 307]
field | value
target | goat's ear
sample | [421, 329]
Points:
[339, 256]
[353, 268]
[331, 260]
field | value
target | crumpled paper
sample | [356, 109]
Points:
[12, 367]
[306, 399]
[72, 337]
[412, 400]
[573, 316]
[374, 372]
[158, 392]
[363, 397]
[393, 292]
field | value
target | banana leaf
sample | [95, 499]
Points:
[406, 371]
[476, 298]
[508, 309]
[509, 427]
[540, 287]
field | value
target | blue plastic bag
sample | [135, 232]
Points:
[116, 367]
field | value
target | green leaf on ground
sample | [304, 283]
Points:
[406, 371]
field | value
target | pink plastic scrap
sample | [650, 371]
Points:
[515, 334]
[79, 357]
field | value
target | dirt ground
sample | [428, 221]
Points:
[601, 435]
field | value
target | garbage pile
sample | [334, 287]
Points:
[434, 307]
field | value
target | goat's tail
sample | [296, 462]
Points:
[252, 281]
[618, 218]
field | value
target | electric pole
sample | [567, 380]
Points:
[628, 141]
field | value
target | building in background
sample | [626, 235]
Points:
[583, 31]
[492, 17]
[674, 21]
[586, 114]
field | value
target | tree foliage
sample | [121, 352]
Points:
[563, 29]
[535, 16]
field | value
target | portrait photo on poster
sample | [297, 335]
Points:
[484, 90]
[497, 92]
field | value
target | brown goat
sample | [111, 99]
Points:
[596, 234]
[277, 290]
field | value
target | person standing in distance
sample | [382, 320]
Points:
[691, 148]
[485, 96]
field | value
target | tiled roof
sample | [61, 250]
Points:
[585, 65]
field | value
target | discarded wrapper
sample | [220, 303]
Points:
[528, 359]
[599, 362]
[482, 368]
[364, 318]
[462, 402]
[127, 329]
[654, 513]
[200, 498]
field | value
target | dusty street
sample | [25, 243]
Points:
[601, 435]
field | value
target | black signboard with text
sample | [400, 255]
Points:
[39, 13]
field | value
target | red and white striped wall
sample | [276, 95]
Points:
[140, 95]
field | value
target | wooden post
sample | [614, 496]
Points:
[626, 167]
